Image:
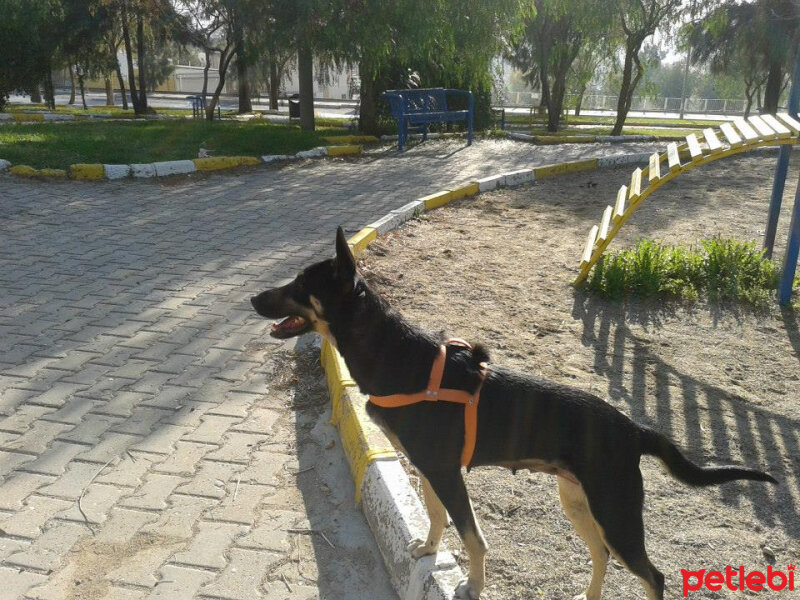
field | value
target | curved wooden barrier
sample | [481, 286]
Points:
[736, 137]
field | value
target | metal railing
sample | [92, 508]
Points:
[721, 106]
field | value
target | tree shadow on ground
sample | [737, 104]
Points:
[717, 427]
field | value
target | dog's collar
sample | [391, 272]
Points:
[435, 393]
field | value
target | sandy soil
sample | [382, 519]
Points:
[722, 382]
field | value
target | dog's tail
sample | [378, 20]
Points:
[656, 444]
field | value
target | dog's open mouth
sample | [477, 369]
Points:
[290, 327]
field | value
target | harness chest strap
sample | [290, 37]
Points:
[435, 393]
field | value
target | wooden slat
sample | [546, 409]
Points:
[789, 122]
[764, 130]
[748, 133]
[604, 223]
[619, 207]
[780, 128]
[673, 158]
[694, 146]
[712, 141]
[590, 240]
[636, 184]
[731, 135]
[654, 170]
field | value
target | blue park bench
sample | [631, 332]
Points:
[199, 107]
[418, 108]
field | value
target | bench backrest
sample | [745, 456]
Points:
[405, 102]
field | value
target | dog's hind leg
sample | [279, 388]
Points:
[438, 518]
[576, 507]
[449, 486]
[618, 512]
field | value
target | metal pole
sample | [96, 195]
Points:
[779, 182]
[793, 245]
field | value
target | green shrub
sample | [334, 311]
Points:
[721, 269]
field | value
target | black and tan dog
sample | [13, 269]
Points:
[522, 423]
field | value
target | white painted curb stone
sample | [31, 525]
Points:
[117, 171]
[515, 178]
[4, 164]
[140, 170]
[5, 117]
[387, 223]
[58, 117]
[313, 153]
[396, 516]
[623, 159]
[409, 211]
[486, 184]
[271, 158]
[520, 136]
[174, 167]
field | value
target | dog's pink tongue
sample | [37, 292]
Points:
[289, 324]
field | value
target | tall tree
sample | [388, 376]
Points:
[638, 20]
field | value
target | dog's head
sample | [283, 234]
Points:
[312, 301]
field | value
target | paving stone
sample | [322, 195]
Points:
[179, 583]
[96, 504]
[235, 405]
[260, 420]
[243, 578]
[211, 480]
[72, 483]
[28, 521]
[57, 394]
[37, 439]
[189, 414]
[184, 460]
[54, 460]
[113, 444]
[22, 418]
[48, 550]
[11, 398]
[265, 465]
[122, 525]
[161, 440]
[128, 471]
[169, 397]
[9, 547]
[152, 494]
[181, 517]
[16, 583]
[89, 430]
[141, 568]
[9, 461]
[212, 430]
[141, 422]
[122, 404]
[241, 504]
[73, 412]
[209, 545]
[271, 533]
[236, 447]
[18, 487]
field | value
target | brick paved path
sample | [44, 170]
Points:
[148, 446]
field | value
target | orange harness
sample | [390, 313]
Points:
[435, 393]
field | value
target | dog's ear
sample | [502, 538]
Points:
[345, 262]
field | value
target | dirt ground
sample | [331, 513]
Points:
[722, 382]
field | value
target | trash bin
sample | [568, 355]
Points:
[294, 106]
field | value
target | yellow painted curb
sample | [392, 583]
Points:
[362, 440]
[436, 200]
[216, 163]
[471, 189]
[362, 239]
[87, 171]
[563, 168]
[27, 171]
[343, 150]
[338, 140]
[26, 117]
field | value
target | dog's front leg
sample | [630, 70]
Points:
[438, 518]
[448, 486]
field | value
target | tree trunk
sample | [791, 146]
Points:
[305, 74]
[245, 106]
[224, 60]
[556, 105]
[126, 37]
[109, 92]
[579, 101]
[49, 91]
[140, 54]
[205, 72]
[83, 89]
[36, 94]
[71, 85]
[122, 86]
[274, 84]
[772, 91]
[544, 83]
[629, 83]
[368, 109]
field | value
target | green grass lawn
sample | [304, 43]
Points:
[77, 109]
[58, 145]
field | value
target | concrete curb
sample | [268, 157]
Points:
[588, 139]
[389, 502]
[36, 116]
[102, 172]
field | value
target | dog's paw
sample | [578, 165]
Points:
[419, 548]
[466, 591]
